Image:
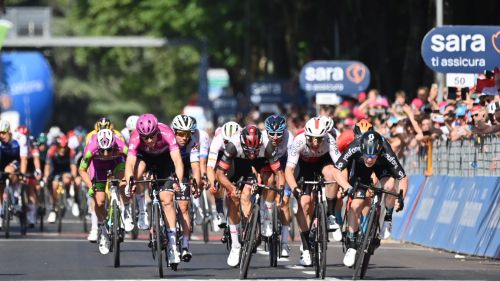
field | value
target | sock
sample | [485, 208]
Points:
[171, 233]
[185, 241]
[104, 229]
[32, 213]
[331, 206]
[269, 207]
[388, 214]
[304, 236]
[196, 202]
[93, 221]
[363, 223]
[352, 239]
[284, 234]
[141, 201]
[219, 205]
[338, 216]
[233, 229]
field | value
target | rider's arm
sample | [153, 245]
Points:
[179, 165]
[215, 146]
[84, 165]
[344, 161]
[48, 161]
[24, 164]
[290, 178]
[204, 147]
[274, 162]
[194, 158]
[292, 160]
[129, 166]
[224, 165]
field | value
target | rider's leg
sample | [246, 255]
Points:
[186, 222]
[353, 215]
[234, 221]
[100, 206]
[304, 219]
[268, 205]
[32, 198]
[331, 196]
[167, 202]
[246, 203]
[389, 184]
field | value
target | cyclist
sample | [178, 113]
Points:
[154, 144]
[314, 151]
[59, 165]
[204, 143]
[244, 149]
[30, 162]
[219, 142]
[107, 152]
[10, 152]
[76, 142]
[282, 140]
[367, 155]
[190, 152]
[129, 127]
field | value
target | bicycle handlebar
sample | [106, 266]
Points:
[399, 195]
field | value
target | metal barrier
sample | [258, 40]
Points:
[474, 157]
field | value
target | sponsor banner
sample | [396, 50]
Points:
[462, 49]
[458, 214]
[341, 77]
[399, 219]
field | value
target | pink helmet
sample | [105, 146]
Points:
[147, 124]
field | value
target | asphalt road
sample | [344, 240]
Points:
[69, 256]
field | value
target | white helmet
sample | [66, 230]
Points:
[105, 139]
[329, 123]
[182, 122]
[4, 126]
[229, 129]
[131, 122]
[316, 127]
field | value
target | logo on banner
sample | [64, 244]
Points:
[462, 49]
[356, 72]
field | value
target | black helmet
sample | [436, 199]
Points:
[371, 143]
[251, 139]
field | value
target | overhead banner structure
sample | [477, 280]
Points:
[462, 49]
[341, 77]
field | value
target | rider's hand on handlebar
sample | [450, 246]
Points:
[297, 192]
[128, 190]
[400, 204]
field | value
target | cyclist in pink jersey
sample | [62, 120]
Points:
[106, 151]
[153, 145]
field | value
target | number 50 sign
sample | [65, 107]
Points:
[460, 80]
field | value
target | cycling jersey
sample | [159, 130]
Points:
[60, 163]
[190, 153]
[204, 142]
[9, 152]
[281, 152]
[92, 153]
[387, 163]
[165, 142]
[23, 142]
[300, 150]
[216, 148]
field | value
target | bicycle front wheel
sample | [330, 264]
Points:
[60, 211]
[363, 251]
[274, 240]
[133, 213]
[116, 234]
[157, 239]
[249, 242]
[320, 239]
[6, 217]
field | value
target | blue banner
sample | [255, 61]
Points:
[458, 214]
[341, 77]
[400, 219]
[462, 49]
[28, 80]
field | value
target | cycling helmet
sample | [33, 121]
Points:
[229, 129]
[42, 138]
[62, 140]
[275, 124]
[131, 122]
[80, 131]
[182, 122]
[103, 123]
[362, 127]
[316, 127]
[23, 130]
[251, 139]
[329, 123]
[4, 126]
[147, 124]
[105, 139]
[195, 124]
[371, 143]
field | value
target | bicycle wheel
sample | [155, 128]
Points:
[157, 239]
[274, 240]
[116, 234]
[321, 238]
[41, 207]
[206, 217]
[23, 219]
[291, 223]
[82, 194]
[363, 250]
[249, 242]
[60, 211]
[133, 213]
[6, 216]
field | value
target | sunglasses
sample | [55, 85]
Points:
[251, 150]
[311, 139]
[475, 114]
[107, 150]
[370, 156]
[275, 135]
[183, 134]
[149, 137]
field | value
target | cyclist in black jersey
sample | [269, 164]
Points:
[366, 157]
